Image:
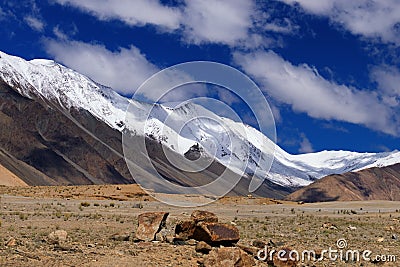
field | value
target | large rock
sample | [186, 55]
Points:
[184, 230]
[149, 224]
[216, 233]
[228, 257]
[203, 216]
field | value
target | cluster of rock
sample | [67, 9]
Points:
[218, 241]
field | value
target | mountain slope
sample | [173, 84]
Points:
[370, 184]
[51, 115]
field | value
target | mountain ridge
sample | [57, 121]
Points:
[72, 93]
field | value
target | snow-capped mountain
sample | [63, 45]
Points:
[239, 147]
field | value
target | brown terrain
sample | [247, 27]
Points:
[97, 225]
[10, 179]
[370, 184]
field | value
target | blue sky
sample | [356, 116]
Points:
[330, 69]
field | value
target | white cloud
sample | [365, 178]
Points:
[305, 90]
[212, 21]
[228, 22]
[285, 26]
[59, 33]
[137, 12]
[305, 144]
[124, 70]
[388, 79]
[369, 18]
[35, 23]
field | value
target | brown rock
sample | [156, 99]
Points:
[149, 224]
[203, 247]
[184, 230]
[57, 236]
[284, 259]
[228, 257]
[248, 249]
[216, 233]
[203, 216]
[11, 242]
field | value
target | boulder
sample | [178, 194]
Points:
[203, 216]
[216, 233]
[149, 224]
[228, 257]
[184, 230]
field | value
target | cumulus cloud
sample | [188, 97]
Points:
[305, 144]
[35, 23]
[235, 23]
[305, 90]
[212, 21]
[138, 12]
[124, 70]
[368, 18]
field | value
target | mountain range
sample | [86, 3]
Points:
[59, 127]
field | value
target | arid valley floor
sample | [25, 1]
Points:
[98, 218]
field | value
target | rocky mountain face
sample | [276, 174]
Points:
[370, 184]
[59, 127]
[42, 146]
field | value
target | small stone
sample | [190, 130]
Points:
[330, 226]
[380, 240]
[227, 257]
[160, 237]
[11, 242]
[169, 239]
[248, 249]
[57, 236]
[149, 224]
[394, 236]
[119, 188]
[203, 216]
[203, 247]
[352, 228]
[192, 242]
[91, 245]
